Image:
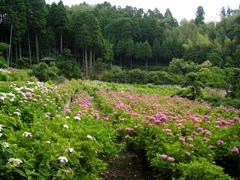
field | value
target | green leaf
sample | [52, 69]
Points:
[21, 172]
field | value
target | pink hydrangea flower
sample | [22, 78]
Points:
[171, 159]
[235, 150]
[220, 142]
[163, 156]
[211, 146]
[194, 133]
[127, 136]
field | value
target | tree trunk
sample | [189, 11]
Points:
[91, 60]
[86, 61]
[29, 50]
[16, 53]
[61, 44]
[20, 50]
[94, 56]
[37, 50]
[131, 62]
[10, 46]
[146, 64]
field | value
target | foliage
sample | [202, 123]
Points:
[69, 69]
[45, 72]
[197, 170]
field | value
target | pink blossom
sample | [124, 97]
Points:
[236, 119]
[194, 133]
[220, 142]
[182, 139]
[200, 129]
[129, 129]
[205, 117]
[127, 136]
[171, 159]
[28, 94]
[188, 153]
[67, 110]
[163, 156]
[179, 125]
[216, 127]
[235, 150]
[207, 132]
[211, 146]
[190, 139]
[157, 121]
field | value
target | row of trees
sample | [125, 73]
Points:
[128, 37]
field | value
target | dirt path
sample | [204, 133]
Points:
[127, 166]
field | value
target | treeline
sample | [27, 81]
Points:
[127, 37]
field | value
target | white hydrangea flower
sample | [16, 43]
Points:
[90, 137]
[17, 113]
[71, 150]
[6, 145]
[65, 126]
[63, 159]
[27, 134]
[14, 162]
[30, 82]
[1, 127]
[77, 118]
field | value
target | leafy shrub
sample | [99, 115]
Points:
[23, 63]
[201, 169]
[115, 74]
[137, 76]
[159, 78]
[70, 69]
[3, 63]
[45, 72]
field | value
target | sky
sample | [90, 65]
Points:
[180, 8]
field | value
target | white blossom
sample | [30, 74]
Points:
[71, 150]
[1, 127]
[67, 117]
[63, 159]
[77, 118]
[27, 134]
[65, 126]
[89, 137]
[1, 134]
[14, 162]
[6, 145]
[30, 82]
[17, 113]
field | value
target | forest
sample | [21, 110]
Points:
[106, 92]
[117, 44]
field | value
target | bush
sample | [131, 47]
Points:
[201, 169]
[3, 63]
[159, 78]
[70, 69]
[137, 76]
[45, 72]
[115, 74]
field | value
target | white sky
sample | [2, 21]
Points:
[179, 8]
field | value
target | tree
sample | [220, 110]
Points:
[200, 15]
[37, 20]
[169, 21]
[223, 13]
[156, 50]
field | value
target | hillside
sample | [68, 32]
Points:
[76, 128]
